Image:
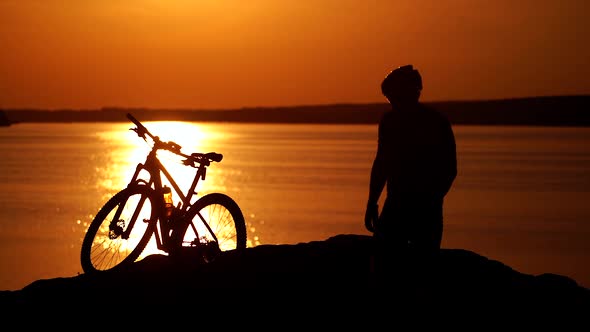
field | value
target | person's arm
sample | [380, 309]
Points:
[378, 170]
[377, 182]
[376, 185]
[450, 154]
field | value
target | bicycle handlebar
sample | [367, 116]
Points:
[141, 130]
[201, 158]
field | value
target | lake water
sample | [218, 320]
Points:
[521, 196]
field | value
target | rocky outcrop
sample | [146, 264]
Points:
[337, 272]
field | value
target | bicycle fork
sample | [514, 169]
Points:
[117, 226]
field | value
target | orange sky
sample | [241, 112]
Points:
[235, 53]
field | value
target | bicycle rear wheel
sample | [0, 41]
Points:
[104, 248]
[216, 225]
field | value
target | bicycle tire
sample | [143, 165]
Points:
[225, 219]
[103, 248]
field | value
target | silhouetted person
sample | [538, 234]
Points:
[416, 159]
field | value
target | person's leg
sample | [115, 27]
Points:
[425, 243]
[390, 248]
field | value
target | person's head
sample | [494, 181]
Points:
[402, 85]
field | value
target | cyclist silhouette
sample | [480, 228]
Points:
[416, 159]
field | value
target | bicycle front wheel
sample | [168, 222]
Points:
[120, 230]
[216, 224]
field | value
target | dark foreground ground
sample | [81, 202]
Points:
[335, 276]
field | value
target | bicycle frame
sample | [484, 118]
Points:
[154, 167]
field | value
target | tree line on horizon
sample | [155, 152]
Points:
[547, 111]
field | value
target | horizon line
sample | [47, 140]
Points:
[311, 105]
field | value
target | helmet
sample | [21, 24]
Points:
[403, 82]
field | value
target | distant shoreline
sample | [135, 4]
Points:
[542, 111]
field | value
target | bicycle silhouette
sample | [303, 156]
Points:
[122, 228]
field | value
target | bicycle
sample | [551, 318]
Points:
[125, 224]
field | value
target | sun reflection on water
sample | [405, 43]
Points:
[129, 150]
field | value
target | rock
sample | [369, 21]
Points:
[337, 272]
